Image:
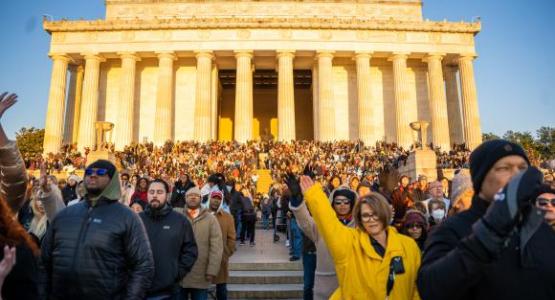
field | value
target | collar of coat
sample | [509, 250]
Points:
[202, 213]
[393, 247]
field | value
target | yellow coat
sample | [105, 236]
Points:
[361, 272]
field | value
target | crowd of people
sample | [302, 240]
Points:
[166, 227]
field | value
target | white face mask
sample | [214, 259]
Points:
[438, 214]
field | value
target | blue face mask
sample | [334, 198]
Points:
[228, 188]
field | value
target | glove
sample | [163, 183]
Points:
[308, 171]
[502, 216]
[295, 189]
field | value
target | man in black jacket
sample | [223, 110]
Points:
[172, 240]
[500, 248]
[97, 248]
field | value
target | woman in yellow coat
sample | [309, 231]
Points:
[372, 261]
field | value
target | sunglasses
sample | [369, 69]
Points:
[545, 202]
[341, 201]
[98, 172]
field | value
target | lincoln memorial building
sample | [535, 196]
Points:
[244, 70]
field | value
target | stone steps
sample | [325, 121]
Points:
[265, 280]
[266, 277]
[265, 291]
[266, 266]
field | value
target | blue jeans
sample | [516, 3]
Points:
[296, 239]
[196, 294]
[221, 291]
[238, 224]
[309, 267]
[266, 221]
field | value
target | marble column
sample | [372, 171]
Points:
[471, 116]
[286, 96]
[366, 130]
[326, 114]
[214, 102]
[124, 125]
[164, 99]
[315, 104]
[402, 94]
[203, 102]
[53, 133]
[89, 102]
[438, 102]
[71, 123]
[453, 104]
[243, 97]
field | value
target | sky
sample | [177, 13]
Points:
[515, 70]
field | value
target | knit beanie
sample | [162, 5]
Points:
[461, 182]
[347, 193]
[194, 190]
[104, 164]
[486, 155]
[414, 216]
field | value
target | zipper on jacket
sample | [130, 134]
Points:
[84, 226]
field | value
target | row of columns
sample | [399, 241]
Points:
[83, 104]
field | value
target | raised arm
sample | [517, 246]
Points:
[336, 235]
[14, 175]
[305, 221]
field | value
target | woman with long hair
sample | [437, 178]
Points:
[373, 260]
[141, 191]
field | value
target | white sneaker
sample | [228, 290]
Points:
[287, 243]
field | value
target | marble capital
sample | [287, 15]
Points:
[244, 53]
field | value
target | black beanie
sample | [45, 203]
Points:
[486, 155]
[347, 194]
[104, 164]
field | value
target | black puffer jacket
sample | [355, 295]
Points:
[97, 252]
[173, 246]
[456, 266]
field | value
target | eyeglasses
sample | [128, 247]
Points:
[367, 217]
[545, 202]
[339, 201]
[414, 225]
[98, 172]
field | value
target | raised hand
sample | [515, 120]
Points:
[6, 101]
[7, 263]
[295, 189]
[306, 183]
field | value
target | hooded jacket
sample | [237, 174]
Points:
[97, 250]
[227, 226]
[173, 247]
[324, 262]
[456, 266]
[361, 272]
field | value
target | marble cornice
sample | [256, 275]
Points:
[262, 23]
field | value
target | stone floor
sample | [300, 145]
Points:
[265, 250]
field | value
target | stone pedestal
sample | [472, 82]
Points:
[101, 154]
[420, 162]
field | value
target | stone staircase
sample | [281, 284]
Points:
[259, 280]
[264, 271]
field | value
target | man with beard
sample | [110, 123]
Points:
[208, 237]
[172, 240]
[97, 248]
